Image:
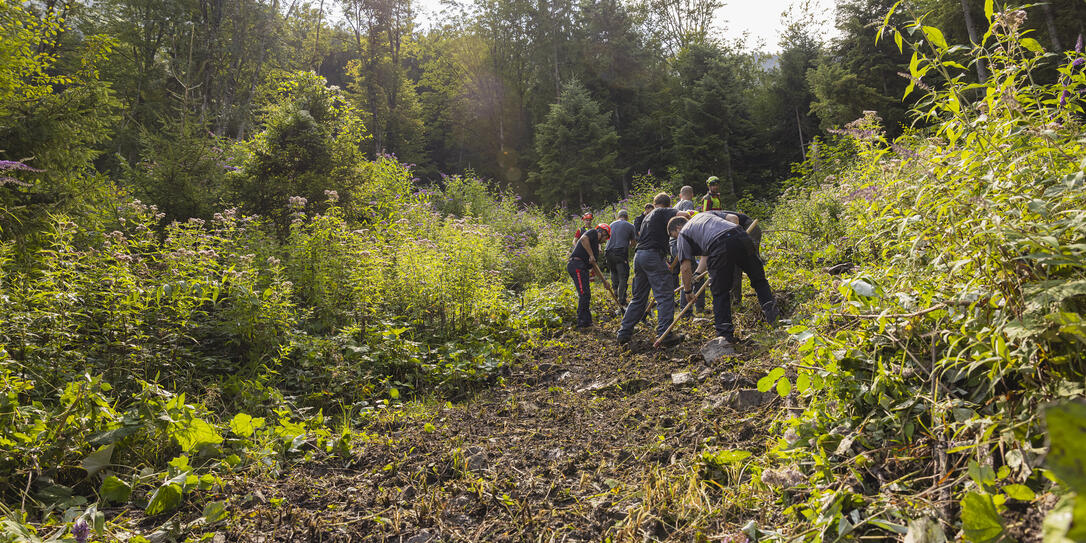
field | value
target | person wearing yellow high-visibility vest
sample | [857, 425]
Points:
[712, 201]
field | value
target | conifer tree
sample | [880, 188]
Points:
[577, 146]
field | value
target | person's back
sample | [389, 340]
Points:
[653, 235]
[686, 199]
[622, 235]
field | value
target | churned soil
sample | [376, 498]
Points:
[566, 446]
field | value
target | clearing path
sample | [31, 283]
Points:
[571, 447]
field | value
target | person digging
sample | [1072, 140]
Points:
[723, 245]
[651, 272]
[583, 259]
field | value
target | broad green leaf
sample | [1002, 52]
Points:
[980, 520]
[1019, 492]
[194, 434]
[1033, 45]
[935, 36]
[115, 490]
[166, 498]
[803, 382]
[925, 530]
[1067, 443]
[989, 9]
[766, 383]
[784, 387]
[99, 459]
[244, 425]
[897, 40]
[982, 475]
[215, 512]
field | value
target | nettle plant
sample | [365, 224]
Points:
[939, 378]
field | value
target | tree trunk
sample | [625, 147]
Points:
[1051, 20]
[982, 70]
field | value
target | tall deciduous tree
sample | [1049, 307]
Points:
[576, 145]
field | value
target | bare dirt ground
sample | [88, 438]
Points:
[569, 447]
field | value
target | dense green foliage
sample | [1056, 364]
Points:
[941, 376]
[216, 259]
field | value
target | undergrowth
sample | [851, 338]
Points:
[941, 374]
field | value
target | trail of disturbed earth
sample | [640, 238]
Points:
[563, 450]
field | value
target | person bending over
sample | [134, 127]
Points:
[723, 245]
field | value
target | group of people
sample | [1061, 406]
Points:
[673, 245]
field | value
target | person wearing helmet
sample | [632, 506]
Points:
[712, 201]
[582, 259]
[618, 254]
[587, 218]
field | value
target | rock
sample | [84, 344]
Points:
[476, 459]
[422, 537]
[745, 398]
[717, 349]
[732, 380]
[704, 374]
[598, 385]
[701, 320]
[683, 378]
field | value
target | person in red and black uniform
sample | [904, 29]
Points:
[587, 218]
[585, 251]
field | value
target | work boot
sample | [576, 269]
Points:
[729, 337]
[769, 309]
[672, 339]
[624, 340]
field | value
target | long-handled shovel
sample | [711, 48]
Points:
[689, 305]
[603, 279]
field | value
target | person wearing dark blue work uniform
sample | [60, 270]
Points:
[618, 254]
[724, 245]
[581, 261]
[651, 273]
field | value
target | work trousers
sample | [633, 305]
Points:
[736, 252]
[618, 262]
[582, 282]
[650, 273]
[737, 283]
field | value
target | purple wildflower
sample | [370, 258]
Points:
[1063, 98]
[1078, 62]
[80, 530]
[1078, 44]
[16, 165]
[13, 181]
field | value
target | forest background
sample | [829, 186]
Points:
[561, 102]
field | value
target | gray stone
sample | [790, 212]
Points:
[476, 459]
[683, 378]
[717, 349]
[745, 398]
[422, 537]
[733, 380]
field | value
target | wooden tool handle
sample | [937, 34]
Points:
[610, 290]
[679, 316]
